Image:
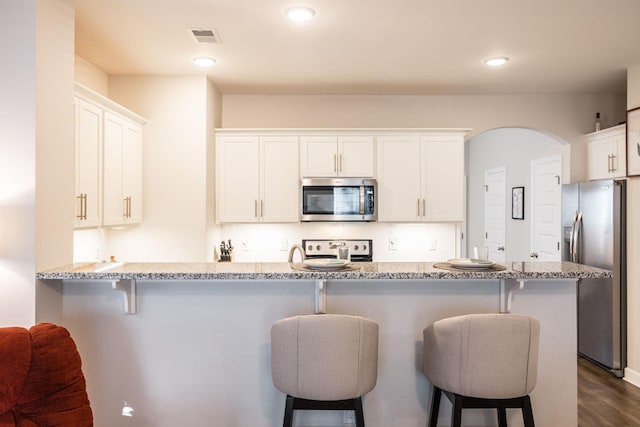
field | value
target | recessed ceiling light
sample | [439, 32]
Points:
[300, 13]
[497, 61]
[204, 61]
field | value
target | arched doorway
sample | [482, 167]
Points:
[517, 151]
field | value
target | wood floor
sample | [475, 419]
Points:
[604, 400]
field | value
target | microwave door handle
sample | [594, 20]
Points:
[361, 200]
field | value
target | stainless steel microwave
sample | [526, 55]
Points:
[338, 199]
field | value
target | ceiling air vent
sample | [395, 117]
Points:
[205, 36]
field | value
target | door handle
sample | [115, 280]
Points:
[576, 236]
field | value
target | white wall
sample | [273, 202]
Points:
[36, 141]
[513, 148]
[632, 373]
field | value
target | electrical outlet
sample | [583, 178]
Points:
[284, 244]
[393, 244]
[433, 245]
[244, 244]
[349, 418]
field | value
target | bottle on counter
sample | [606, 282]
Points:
[598, 124]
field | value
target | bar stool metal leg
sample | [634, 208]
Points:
[288, 412]
[435, 407]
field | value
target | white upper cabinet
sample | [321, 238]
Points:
[257, 178]
[399, 178]
[421, 178]
[337, 156]
[443, 160]
[122, 171]
[606, 153]
[108, 162]
[88, 182]
[420, 172]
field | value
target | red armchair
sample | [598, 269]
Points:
[41, 379]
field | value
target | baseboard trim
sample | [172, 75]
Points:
[632, 377]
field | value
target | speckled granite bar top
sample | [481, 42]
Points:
[286, 271]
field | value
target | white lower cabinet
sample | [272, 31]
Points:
[108, 162]
[421, 178]
[257, 179]
[607, 153]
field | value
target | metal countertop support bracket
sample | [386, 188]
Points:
[320, 296]
[128, 287]
[507, 287]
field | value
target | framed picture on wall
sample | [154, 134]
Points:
[517, 203]
[633, 142]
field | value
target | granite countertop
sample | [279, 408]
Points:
[297, 271]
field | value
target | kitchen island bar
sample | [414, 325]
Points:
[197, 351]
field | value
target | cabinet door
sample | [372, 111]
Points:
[399, 176]
[122, 171]
[279, 173]
[238, 175]
[619, 152]
[356, 156]
[607, 154]
[114, 204]
[599, 152]
[319, 156]
[88, 139]
[443, 178]
[132, 172]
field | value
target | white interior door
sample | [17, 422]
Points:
[495, 202]
[546, 231]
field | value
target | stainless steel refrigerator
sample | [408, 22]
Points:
[594, 227]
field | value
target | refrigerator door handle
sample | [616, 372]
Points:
[576, 238]
[573, 228]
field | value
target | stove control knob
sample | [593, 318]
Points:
[318, 247]
[356, 247]
[310, 248]
[364, 247]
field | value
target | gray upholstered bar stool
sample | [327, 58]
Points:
[482, 361]
[324, 361]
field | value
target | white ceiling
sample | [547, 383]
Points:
[371, 46]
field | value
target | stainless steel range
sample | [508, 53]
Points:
[361, 250]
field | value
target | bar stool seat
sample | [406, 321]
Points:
[482, 361]
[324, 361]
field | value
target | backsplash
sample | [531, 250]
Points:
[271, 242]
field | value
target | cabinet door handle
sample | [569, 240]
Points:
[82, 198]
[129, 207]
[418, 205]
[501, 248]
[262, 208]
[533, 255]
[340, 166]
[424, 207]
[335, 163]
[613, 163]
[255, 208]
